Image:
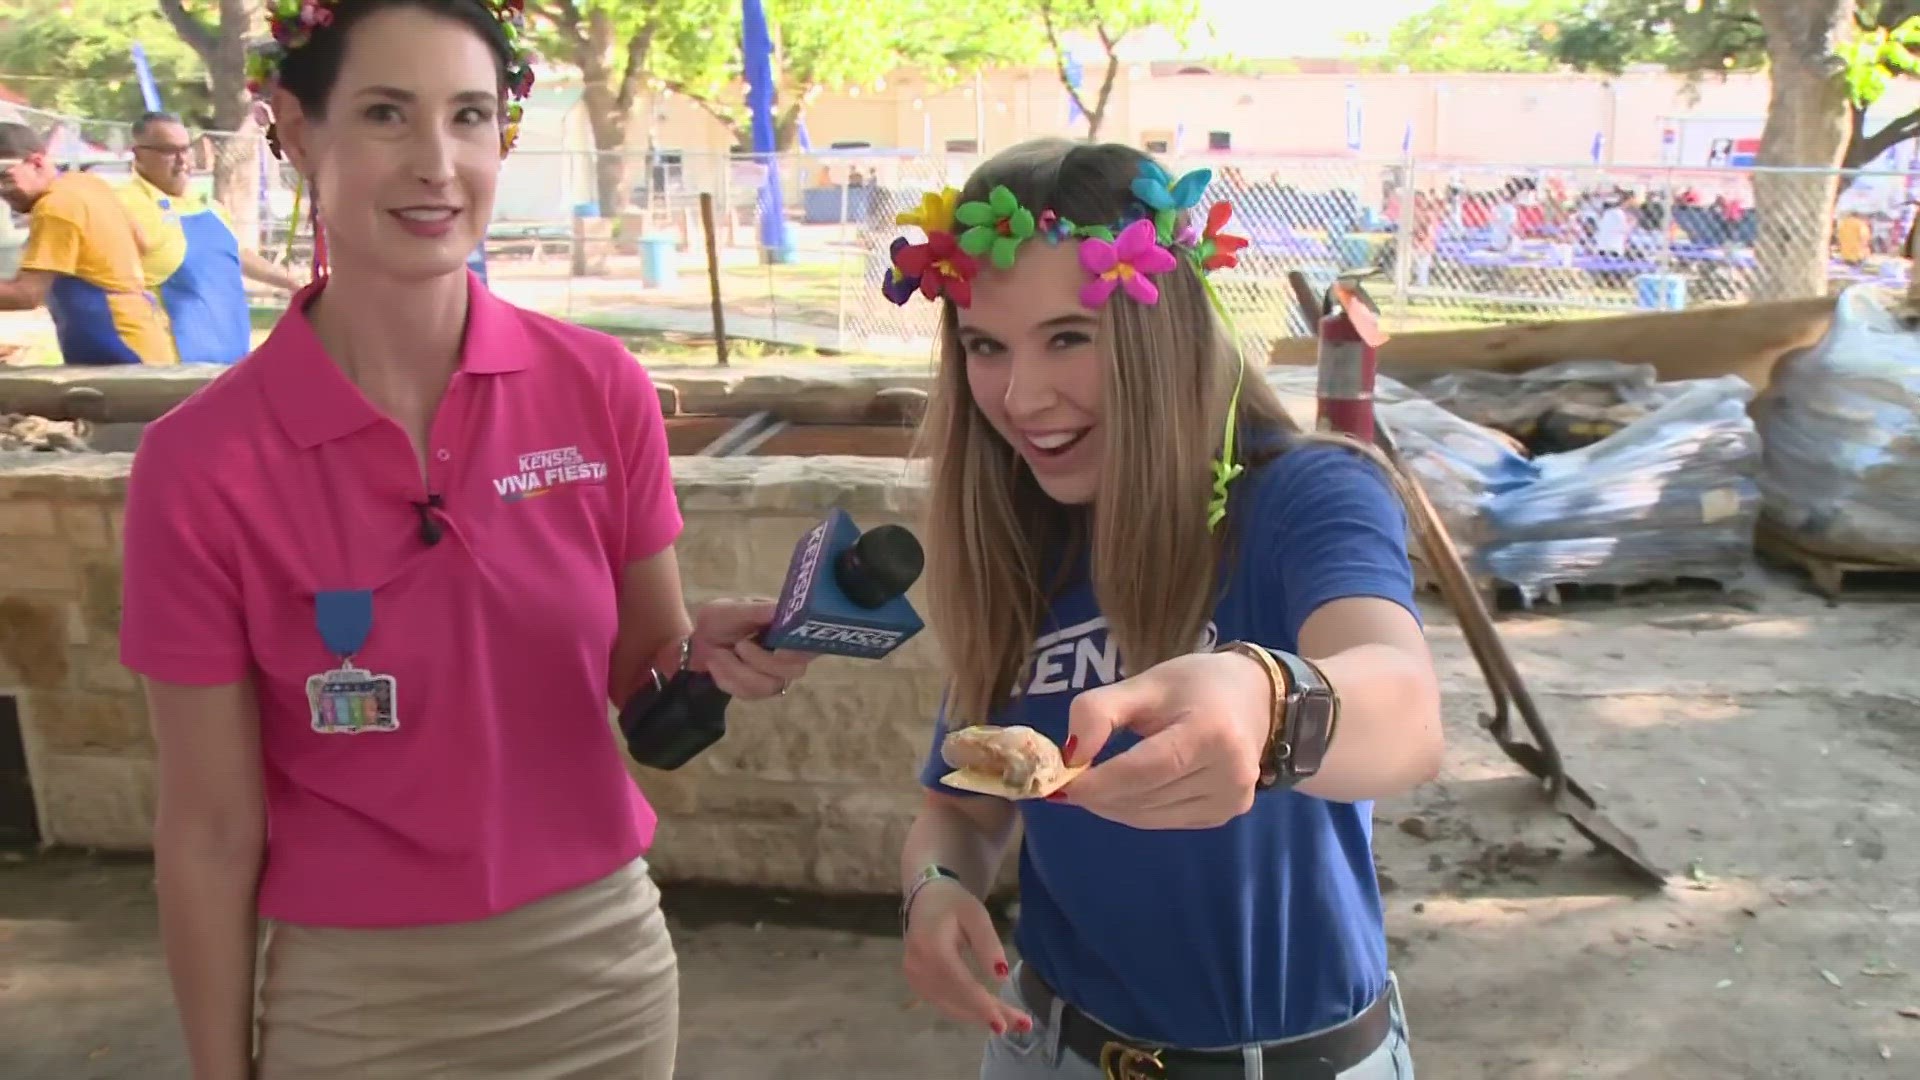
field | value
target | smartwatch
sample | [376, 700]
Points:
[1310, 713]
[1305, 713]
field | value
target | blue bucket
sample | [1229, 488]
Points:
[659, 262]
[1660, 292]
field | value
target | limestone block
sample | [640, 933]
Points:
[88, 527]
[78, 722]
[33, 641]
[861, 852]
[770, 853]
[105, 394]
[50, 553]
[63, 478]
[871, 728]
[97, 670]
[811, 392]
[96, 800]
[713, 550]
[27, 517]
[100, 598]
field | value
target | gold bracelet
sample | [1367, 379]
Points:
[1278, 685]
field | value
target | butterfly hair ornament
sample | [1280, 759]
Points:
[292, 23]
[1125, 257]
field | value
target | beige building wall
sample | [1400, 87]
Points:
[1464, 118]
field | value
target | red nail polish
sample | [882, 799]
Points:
[1023, 1025]
[1058, 796]
[1000, 968]
[999, 1028]
[1067, 748]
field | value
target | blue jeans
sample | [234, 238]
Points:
[1038, 1055]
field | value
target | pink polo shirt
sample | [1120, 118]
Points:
[504, 782]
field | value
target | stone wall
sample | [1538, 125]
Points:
[811, 791]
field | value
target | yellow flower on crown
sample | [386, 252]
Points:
[935, 214]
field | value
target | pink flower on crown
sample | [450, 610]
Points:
[313, 15]
[1128, 263]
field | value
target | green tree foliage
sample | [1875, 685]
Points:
[617, 45]
[822, 46]
[1480, 35]
[75, 57]
[1708, 36]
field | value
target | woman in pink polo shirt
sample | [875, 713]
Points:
[384, 578]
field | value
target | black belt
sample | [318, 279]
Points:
[1320, 1056]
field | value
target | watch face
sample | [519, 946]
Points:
[1314, 714]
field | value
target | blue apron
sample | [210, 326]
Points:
[205, 298]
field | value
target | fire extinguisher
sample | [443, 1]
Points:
[1350, 340]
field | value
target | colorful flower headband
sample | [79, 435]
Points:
[293, 22]
[1124, 257]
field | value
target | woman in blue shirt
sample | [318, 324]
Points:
[1132, 552]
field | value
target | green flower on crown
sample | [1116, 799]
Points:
[996, 228]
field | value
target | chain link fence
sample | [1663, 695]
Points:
[620, 241]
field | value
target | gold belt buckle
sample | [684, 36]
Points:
[1118, 1061]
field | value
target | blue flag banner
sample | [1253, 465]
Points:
[143, 71]
[756, 48]
[1356, 119]
[1074, 75]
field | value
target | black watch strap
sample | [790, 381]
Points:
[1309, 713]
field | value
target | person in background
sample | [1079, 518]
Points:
[193, 261]
[1614, 230]
[1503, 223]
[81, 260]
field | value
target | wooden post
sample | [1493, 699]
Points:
[713, 279]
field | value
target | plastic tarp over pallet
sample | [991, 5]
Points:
[1841, 423]
[1670, 495]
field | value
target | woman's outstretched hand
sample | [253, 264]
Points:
[1203, 719]
[724, 646]
[951, 945]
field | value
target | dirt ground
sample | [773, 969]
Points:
[1766, 751]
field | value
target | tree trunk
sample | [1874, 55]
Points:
[1098, 114]
[608, 125]
[1808, 126]
[236, 171]
[786, 128]
[222, 47]
[609, 83]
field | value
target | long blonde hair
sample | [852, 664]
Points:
[996, 542]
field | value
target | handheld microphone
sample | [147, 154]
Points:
[845, 595]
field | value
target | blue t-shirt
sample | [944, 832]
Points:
[1269, 926]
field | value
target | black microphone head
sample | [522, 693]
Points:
[882, 564]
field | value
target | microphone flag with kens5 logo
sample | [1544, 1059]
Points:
[845, 595]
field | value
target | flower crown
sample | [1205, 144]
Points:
[292, 24]
[1120, 258]
[1124, 257]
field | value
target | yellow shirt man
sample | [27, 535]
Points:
[82, 237]
[194, 265]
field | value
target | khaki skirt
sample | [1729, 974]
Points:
[578, 986]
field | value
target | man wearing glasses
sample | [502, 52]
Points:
[192, 257]
[81, 260]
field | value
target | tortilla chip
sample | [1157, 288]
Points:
[987, 784]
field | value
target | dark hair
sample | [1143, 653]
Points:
[149, 119]
[1086, 183]
[20, 141]
[310, 71]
